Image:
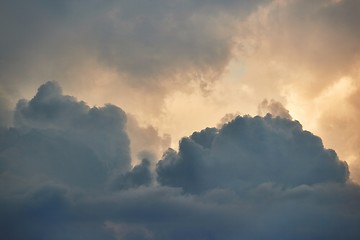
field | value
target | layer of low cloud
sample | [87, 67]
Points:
[66, 173]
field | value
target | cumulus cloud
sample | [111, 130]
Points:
[273, 107]
[65, 173]
[299, 50]
[251, 151]
[137, 53]
[58, 139]
[140, 175]
[65, 167]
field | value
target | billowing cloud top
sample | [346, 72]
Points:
[66, 173]
[64, 140]
[251, 151]
[150, 56]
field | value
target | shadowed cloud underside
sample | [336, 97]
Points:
[66, 173]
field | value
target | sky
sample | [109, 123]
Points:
[179, 119]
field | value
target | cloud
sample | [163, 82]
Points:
[140, 175]
[145, 140]
[251, 151]
[65, 167]
[5, 113]
[65, 173]
[304, 50]
[315, 44]
[58, 139]
[136, 54]
[274, 108]
[148, 44]
[320, 211]
[129, 231]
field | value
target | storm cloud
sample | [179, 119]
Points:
[148, 57]
[66, 173]
[70, 170]
[58, 139]
[251, 151]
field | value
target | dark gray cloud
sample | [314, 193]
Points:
[140, 175]
[50, 109]
[65, 141]
[65, 173]
[251, 151]
[268, 211]
[5, 112]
